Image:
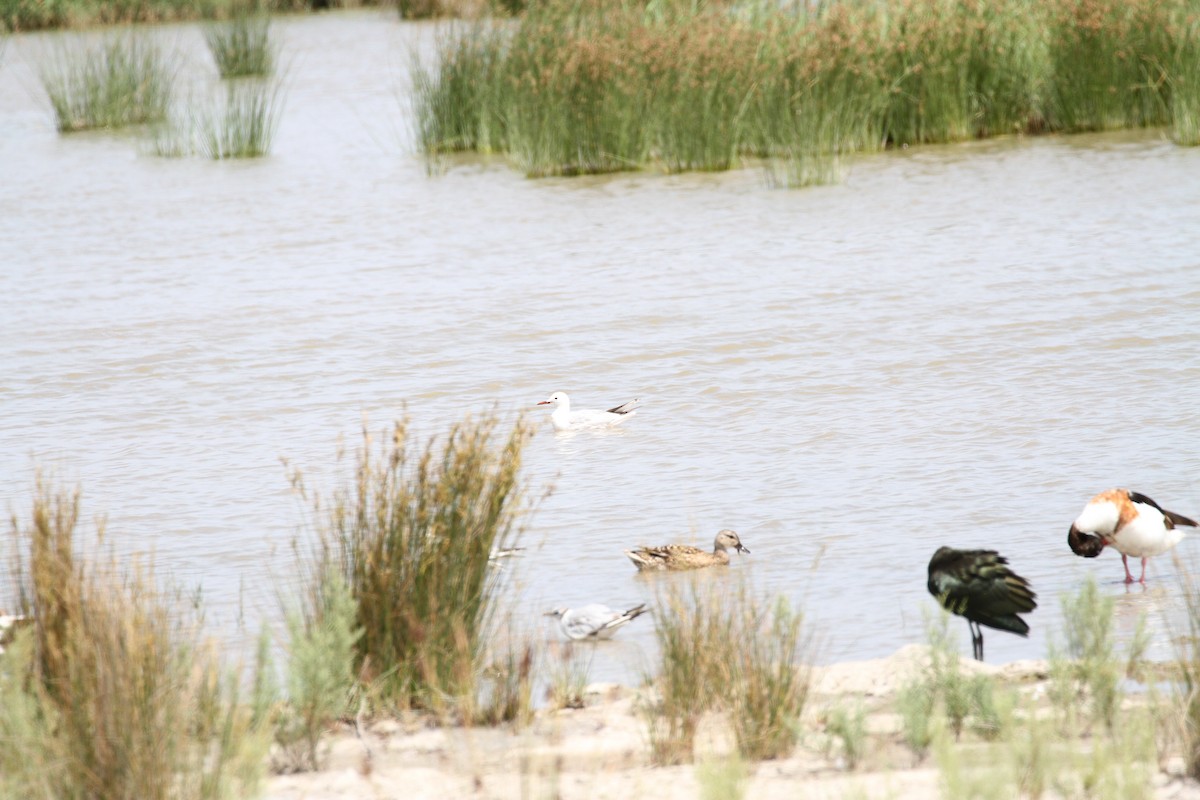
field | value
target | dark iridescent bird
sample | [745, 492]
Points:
[1129, 522]
[978, 585]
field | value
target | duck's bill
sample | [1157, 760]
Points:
[744, 550]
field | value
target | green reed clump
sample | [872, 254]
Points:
[241, 46]
[725, 650]
[244, 126]
[111, 693]
[124, 81]
[240, 124]
[411, 538]
[456, 101]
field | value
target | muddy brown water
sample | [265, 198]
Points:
[957, 345]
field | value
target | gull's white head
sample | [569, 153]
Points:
[558, 399]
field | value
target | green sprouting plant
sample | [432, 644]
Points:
[320, 674]
[915, 704]
[848, 727]
[1092, 665]
[124, 81]
[1034, 761]
[947, 681]
[723, 779]
[990, 713]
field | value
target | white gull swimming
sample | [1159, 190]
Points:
[593, 621]
[565, 419]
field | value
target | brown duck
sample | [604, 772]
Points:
[684, 556]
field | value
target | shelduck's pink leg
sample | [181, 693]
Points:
[1128, 574]
[1142, 580]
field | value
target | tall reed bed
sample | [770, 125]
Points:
[574, 86]
[1109, 63]
[111, 692]
[724, 649]
[1185, 81]
[411, 539]
[125, 80]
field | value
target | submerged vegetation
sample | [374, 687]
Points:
[576, 86]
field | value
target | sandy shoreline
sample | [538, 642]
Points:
[601, 751]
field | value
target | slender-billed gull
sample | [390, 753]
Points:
[1131, 523]
[684, 556]
[593, 621]
[565, 419]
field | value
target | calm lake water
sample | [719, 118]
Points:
[958, 345]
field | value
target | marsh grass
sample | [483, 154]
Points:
[726, 650]
[241, 46]
[571, 87]
[411, 536]
[123, 81]
[112, 693]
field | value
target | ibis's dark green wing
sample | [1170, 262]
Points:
[978, 585]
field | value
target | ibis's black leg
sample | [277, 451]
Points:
[976, 639]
